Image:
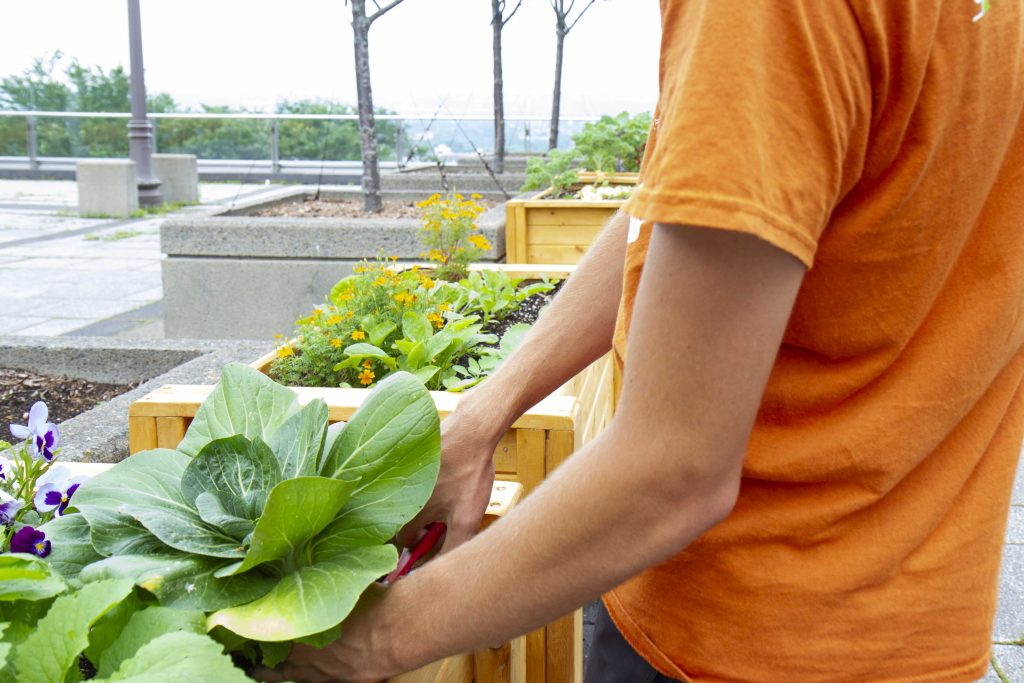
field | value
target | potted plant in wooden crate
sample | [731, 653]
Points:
[566, 206]
[158, 565]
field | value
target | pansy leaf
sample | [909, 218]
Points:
[245, 402]
[71, 548]
[52, 649]
[243, 468]
[299, 441]
[392, 447]
[26, 577]
[145, 626]
[182, 581]
[176, 657]
[296, 511]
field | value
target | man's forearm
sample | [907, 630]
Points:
[574, 331]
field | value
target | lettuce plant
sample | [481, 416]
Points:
[264, 519]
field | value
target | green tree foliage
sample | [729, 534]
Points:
[43, 86]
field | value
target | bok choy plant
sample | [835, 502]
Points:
[264, 518]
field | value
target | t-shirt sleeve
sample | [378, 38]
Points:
[763, 118]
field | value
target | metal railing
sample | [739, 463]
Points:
[412, 132]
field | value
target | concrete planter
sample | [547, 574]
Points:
[235, 276]
[540, 230]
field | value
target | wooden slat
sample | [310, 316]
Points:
[458, 669]
[536, 656]
[562, 235]
[183, 400]
[565, 649]
[504, 496]
[561, 444]
[531, 447]
[170, 431]
[584, 215]
[556, 253]
[518, 236]
[505, 454]
[141, 434]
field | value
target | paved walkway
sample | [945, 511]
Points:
[61, 274]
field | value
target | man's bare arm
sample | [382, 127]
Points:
[575, 330]
[708, 321]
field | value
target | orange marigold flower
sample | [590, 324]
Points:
[480, 242]
[444, 307]
[336, 343]
[348, 315]
[476, 196]
[367, 363]
[436, 320]
[405, 298]
[285, 351]
[358, 334]
[380, 281]
[366, 377]
[334, 320]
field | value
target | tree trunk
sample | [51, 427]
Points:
[499, 95]
[367, 128]
[557, 97]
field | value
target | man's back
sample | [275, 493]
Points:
[882, 143]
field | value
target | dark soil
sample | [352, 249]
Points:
[342, 208]
[64, 396]
[528, 311]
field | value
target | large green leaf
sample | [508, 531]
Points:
[299, 441]
[416, 327]
[145, 626]
[392, 447]
[243, 468]
[177, 657]
[26, 577]
[225, 512]
[245, 402]
[53, 648]
[108, 628]
[71, 546]
[183, 529]
[296, 511]
[310, 599]
[149, 478]
[182, 581]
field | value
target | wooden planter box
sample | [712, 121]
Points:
[535, 445]
[557, 231]
[504, 664]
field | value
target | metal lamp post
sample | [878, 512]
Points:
[140, 130]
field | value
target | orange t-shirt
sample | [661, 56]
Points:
[882, 144]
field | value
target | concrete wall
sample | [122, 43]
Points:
[243, 277]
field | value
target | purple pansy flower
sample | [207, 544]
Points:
[5, 467]
[31, 541]
[42, 434]
[9, 507]
[56, 490]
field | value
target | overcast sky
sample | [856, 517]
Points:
[254, 52]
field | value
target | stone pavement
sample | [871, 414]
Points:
[64, 274]
[61, 274]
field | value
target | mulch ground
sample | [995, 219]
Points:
[66, 397]
[322, 208]
[528, 311]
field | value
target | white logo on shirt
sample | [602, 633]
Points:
[985, 6]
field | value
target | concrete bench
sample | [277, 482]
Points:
[179, 177]
[107, 187]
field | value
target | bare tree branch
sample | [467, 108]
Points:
[580, 15]
[514, 10]
[387, 8]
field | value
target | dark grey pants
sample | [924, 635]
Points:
[612, 660]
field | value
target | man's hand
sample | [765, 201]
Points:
[463, 485]
[365, 652]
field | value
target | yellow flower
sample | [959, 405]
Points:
[405, 298]
[380, 281]
[427, 282]
[336, 343]
[334, 320]
[436, 319]
[285, 351]
[278, 336]
[348, 315]
[480, 242]
[358, 334]
[367, 363]
[444, 307]
[366, 377]
[347, 295]
[476, 196]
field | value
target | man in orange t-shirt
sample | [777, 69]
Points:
[808, 475]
